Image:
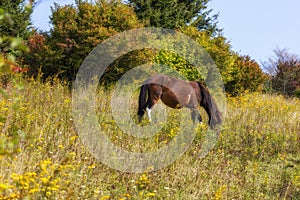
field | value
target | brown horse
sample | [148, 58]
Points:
[177, 93]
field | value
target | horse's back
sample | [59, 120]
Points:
[178, 93]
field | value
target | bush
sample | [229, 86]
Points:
[284, 70]
[247, 76]
[76, 31]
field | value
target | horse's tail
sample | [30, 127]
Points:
[142, 101]
[210, 106]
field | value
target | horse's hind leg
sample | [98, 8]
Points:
[149, 114]
[140, 114]
[154, 96]
[142, 111]
[195, 114]
[150, 105]
[147, 107]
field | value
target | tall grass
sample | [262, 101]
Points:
[41, 157]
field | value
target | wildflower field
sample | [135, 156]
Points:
[257, 155]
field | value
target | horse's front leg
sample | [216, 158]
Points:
[195, 114]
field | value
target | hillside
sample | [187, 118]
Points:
[42, 157]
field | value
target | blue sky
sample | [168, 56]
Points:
[254, 28]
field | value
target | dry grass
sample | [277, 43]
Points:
[41, 157]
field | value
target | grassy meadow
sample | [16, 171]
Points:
[257, 155]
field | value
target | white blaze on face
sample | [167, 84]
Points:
[189, 98]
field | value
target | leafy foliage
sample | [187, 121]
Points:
[76, 31]
[17, 23]
[247, 76]
[285, 73]
[239, 73]
[14, 28]
[12, 45]
[218, 49]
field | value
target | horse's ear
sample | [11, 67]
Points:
[202, 83]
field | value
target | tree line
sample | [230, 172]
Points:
[78, 28]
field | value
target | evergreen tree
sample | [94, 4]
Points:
[14, 26]
[18, 24]
[176, 14]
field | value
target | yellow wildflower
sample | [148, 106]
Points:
[4, 187]
[34, 190]
[72, 153]
[93, 166]
[127, 195]
[73, 138]
[105, 197]
[150, 194]
[45, 180]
